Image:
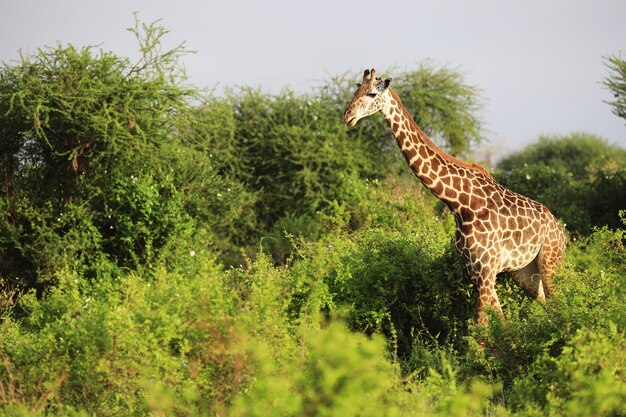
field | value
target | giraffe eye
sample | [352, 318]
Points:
[371, 95]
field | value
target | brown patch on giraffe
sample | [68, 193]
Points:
[476, 202]
[508, 200]
[426, 180]
[437, 188]
[479, 227]
[478, 192]
[481, 237]
[482, 214]
[467, 185]
[466, 214]
[489, 189]
[464, 198]
[423, 152]
[527, 234]
[450, 193]
[409, 154]
[456, 183]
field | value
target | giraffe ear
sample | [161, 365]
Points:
[387, 83]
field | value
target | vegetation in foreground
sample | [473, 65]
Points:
[166, 254]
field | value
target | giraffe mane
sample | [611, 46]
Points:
[438, 150]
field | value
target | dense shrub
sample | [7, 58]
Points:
[295, 153]
[105, 163]
[391, 267]
[108, 350]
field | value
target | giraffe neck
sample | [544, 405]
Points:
[434, 168]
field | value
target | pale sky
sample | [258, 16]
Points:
[538, 63]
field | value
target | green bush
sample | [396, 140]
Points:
[390, 261]
[105, 163]
[295, 153]
[337, 373]
[106, 350]
[585, 379]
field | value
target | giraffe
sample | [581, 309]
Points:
[497, 230]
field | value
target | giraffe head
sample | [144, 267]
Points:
[369, 98]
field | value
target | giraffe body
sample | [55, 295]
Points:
[497, 230]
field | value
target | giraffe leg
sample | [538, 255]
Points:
[550, 256]
[487, 296]
[547, 261]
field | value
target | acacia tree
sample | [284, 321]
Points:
[104, 163]
[616, 82]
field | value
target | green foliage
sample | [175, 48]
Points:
[585, 379]
[296, 155]
[404, 287]
[334, 375]
[579, 177]
[391, 267]
[616, 82]
[105, 163]
[342, 373]
[294, 152]
[79, 346]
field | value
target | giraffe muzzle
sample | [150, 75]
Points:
[349, 119]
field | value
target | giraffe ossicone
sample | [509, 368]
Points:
[497, 230]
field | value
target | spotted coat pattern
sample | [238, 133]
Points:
[497, 230]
